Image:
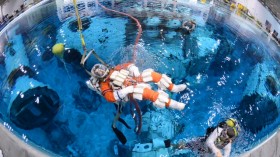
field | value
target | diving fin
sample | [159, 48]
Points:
[119, 134]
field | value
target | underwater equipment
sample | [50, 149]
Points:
[157, 147]
[85, 57]
[124, 123]
[160, 143]
[32, 103]
[138, 121]
[80, 26]
[118, 133]
[138, 118]
[231, 122]
[58, 50]
[68, 55]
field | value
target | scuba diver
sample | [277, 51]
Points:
[117, 83]
[188, 26]
[216, 139]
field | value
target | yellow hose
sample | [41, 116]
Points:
[80, 28]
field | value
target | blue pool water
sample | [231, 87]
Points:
[222, 67]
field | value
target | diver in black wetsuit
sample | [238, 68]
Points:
[188, 26]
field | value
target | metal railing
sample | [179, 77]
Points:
[8, 18]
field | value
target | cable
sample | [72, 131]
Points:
[80, 28]
[138, 25]
[138, 121]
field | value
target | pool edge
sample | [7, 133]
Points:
[12, 145]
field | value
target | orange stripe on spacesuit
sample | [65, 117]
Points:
[107, 91]
[149, 94]
[170, 86]
[168, 103]
[156, 77]
[122, 66]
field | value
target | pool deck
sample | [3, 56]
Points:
[268, 148]
[12, 146]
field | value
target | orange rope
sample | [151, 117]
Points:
[138, 25]
[137, 107]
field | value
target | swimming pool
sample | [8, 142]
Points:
[230, 69]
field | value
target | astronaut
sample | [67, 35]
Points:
[117, 83]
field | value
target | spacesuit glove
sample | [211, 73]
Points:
[123, 92]
[119, 95]
[133, 70]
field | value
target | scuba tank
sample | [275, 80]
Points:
[229, 133]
